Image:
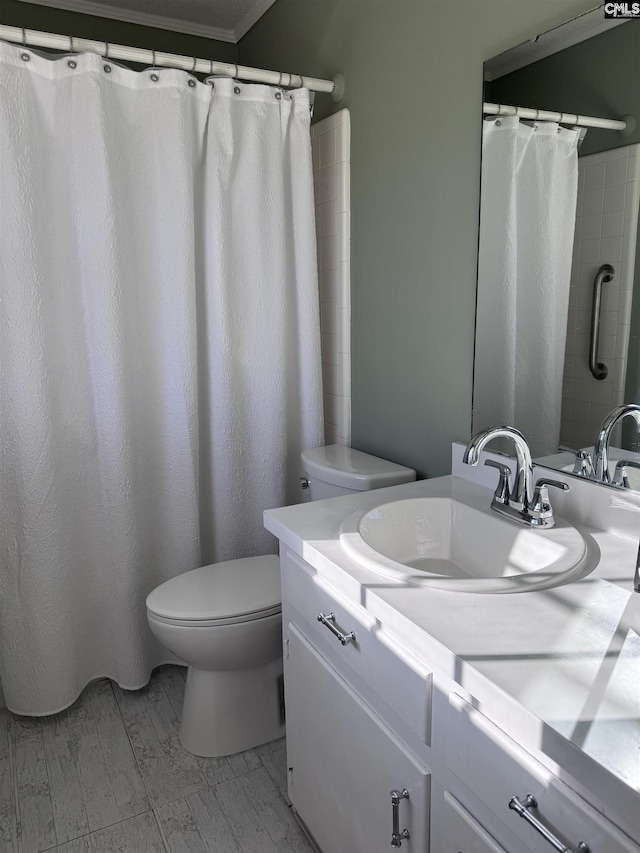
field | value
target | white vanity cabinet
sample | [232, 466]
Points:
[344, 759]
[344, 762]
[368, 716]
[486, 770]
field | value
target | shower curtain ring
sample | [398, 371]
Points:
[24, 55]
[72, 62]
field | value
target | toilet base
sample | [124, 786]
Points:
[232, 710]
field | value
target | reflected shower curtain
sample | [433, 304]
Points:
[527, 221]
[159, 350]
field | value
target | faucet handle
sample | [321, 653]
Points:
[557, 484]
[502, 493]
[541, 511]
[583, 464]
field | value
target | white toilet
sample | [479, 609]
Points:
[224, 621]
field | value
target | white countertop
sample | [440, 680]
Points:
[558, 669]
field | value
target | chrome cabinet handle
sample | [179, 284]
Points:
[396, 835]
[328, 619]
[605, 274]
[522, 807]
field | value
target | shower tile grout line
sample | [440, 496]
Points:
[163, 837]
[70, 841]
[14, 780]
[133, 752]
[152, 806]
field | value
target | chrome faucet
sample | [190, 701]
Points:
[601, 450]
[521, 494]
[520, 501]
[621, 475]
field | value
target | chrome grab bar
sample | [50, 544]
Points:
[328, 619]
[530, 802]
[605, 274]
[396, 835]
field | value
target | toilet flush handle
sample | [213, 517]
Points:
[304, 483]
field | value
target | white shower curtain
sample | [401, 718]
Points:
[527, 220]
[159, 350]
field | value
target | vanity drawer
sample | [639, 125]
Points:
[495, 769]
[462, 833]
[374, 657]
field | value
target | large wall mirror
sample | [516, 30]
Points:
[551, 228]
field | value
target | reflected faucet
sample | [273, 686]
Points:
[621, 475]
[601, 450]
[520, 502]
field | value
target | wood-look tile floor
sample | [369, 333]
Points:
[108, 775]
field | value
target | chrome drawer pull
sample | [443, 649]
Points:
[328, 619]
[522, 807]
[396, 835]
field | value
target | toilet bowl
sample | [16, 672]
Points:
[225, 622]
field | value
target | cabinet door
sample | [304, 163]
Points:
[344, 762]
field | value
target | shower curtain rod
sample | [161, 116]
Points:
[562, 118]
[71, 44]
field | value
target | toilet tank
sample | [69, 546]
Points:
[338, 470]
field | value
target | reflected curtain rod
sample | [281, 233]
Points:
[71, 44]
[626, 124]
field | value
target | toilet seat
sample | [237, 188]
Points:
[212, 623]
[220, 594]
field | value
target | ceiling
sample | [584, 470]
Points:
[225, 20]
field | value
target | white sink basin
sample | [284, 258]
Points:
[447, 544]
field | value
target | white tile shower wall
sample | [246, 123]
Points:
[330, 146]
[606, 231]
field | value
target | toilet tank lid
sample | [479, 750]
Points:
[226, 590]
[352, 469]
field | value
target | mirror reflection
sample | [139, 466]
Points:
[558, 317]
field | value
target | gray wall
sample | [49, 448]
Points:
[413, 70]
[598, 77]
[33, 17]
